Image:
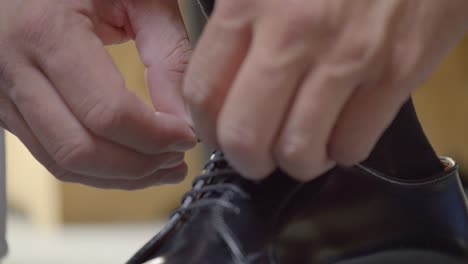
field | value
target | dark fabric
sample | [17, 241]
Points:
[404, 151]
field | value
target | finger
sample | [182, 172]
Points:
[164, 50]
[302, 144]
[88, 81]
[167, 176]
[369, 112]
[173, 174]
[23, 132]
[70, 145]
[259, 100]
[214, 64]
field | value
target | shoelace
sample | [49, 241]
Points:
[214, 179]
[215, 171]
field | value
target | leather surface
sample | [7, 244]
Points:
[359, 212]
[215, 234]
[347, 214]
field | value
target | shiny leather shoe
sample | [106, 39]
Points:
[347, 216]
[400, 206]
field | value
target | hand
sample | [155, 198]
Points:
[63, 97]
[307, 84]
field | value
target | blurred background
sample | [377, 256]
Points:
[53, 222]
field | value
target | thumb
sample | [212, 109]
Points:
[164, 50]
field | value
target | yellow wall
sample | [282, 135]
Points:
[442, 105]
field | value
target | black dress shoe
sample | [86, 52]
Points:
[347, 216]
[400, 206]
[361, 216]
[217, 217]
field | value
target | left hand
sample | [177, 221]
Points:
[309, 84]
[63, 97]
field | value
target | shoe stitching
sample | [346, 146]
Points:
[410, 183]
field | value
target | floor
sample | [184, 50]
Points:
[75, 244]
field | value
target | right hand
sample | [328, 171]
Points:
[63, 97]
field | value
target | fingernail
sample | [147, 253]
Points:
[195, 134]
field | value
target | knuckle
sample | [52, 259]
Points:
[237, 139]
[296, 155]
[298, 22]
[180, 53]
[175, 59]
[73, 154]
[36, 28]
[292, 151]
[278, 67]
[357, 52]
[105, 116]
[197, 90]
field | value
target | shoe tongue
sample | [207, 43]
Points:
[404, 151]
